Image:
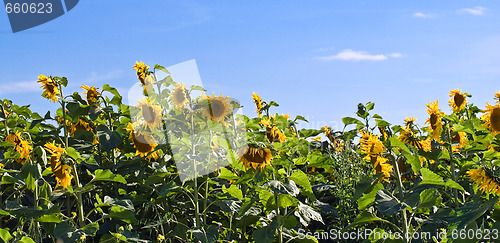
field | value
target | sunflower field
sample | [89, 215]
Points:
[185, 166]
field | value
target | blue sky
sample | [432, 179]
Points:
[318, 59]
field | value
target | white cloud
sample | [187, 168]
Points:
[474, 11]
[324, 49]
[19, 87]
[350, 55]
[423, 15]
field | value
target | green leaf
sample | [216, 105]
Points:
[107, 175]
[286, 200]
[161, 68]
[300, 118]
[71, 152]
[363, 218]
[388, 205]
[300, 178]
[265, 234]
[234, 191]
[369, 197]
[26, 239]
[197, 87]
[108, 139]
[5, 235]
[412, 159]
[429, 198]
[49, 218]
[227, 175]
[305, 133]
[123, 214]
[430, 177]
[306, 213]
[351, 120]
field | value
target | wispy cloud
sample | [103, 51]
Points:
[350, 55]
[19, 87]
[474, 11]
[423, 15]
[324, 49]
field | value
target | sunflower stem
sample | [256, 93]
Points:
[73, 163]
[278, 217]
[401, 195]
[453, 173]
[5, 120]
[196, 198]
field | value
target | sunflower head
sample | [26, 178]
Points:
[407, 136]
[179, 96]
[458, 100]
[51, 91]
[370, 144]
[22, 146]
[144, 143]
[485, 181]
[151, 113]
[435, 119]
[258, 103]
[497, 97]
[409, 121]
[380, 165]
[218, 108]
[492, 118]
[91, 94]
[141, 71]
[255, 157]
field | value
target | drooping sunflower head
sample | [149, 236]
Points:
[179, 96]
[22, 146]
[218, 108]
[51, 91]
[81, 124]
[458, 140]
[60, 171]
[458, 100]
[151, 113]
[380, 165]
[492, 118]
[144, 143]
[370, 144]
[435, 120]
[485, 181]
[141, 71]
[255, 157]
[91, 94]
[407, 136]
[258, 103]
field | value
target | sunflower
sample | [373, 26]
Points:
[144, 143]
[22, 146]
[458, 100]
[435, 120]
[486, 183]
[409, 121]
[179, 96]
[50, 88]
[370, 144]
[273, 133]
[327, 131]
[492, 118]
[60, 171]
[256, 157]
[92, 95]
[151, 113]
[497, 96]
[460, 139]
[407, 136]
[218, 108]
[142, 71]
[380, 165]
[258, 103]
